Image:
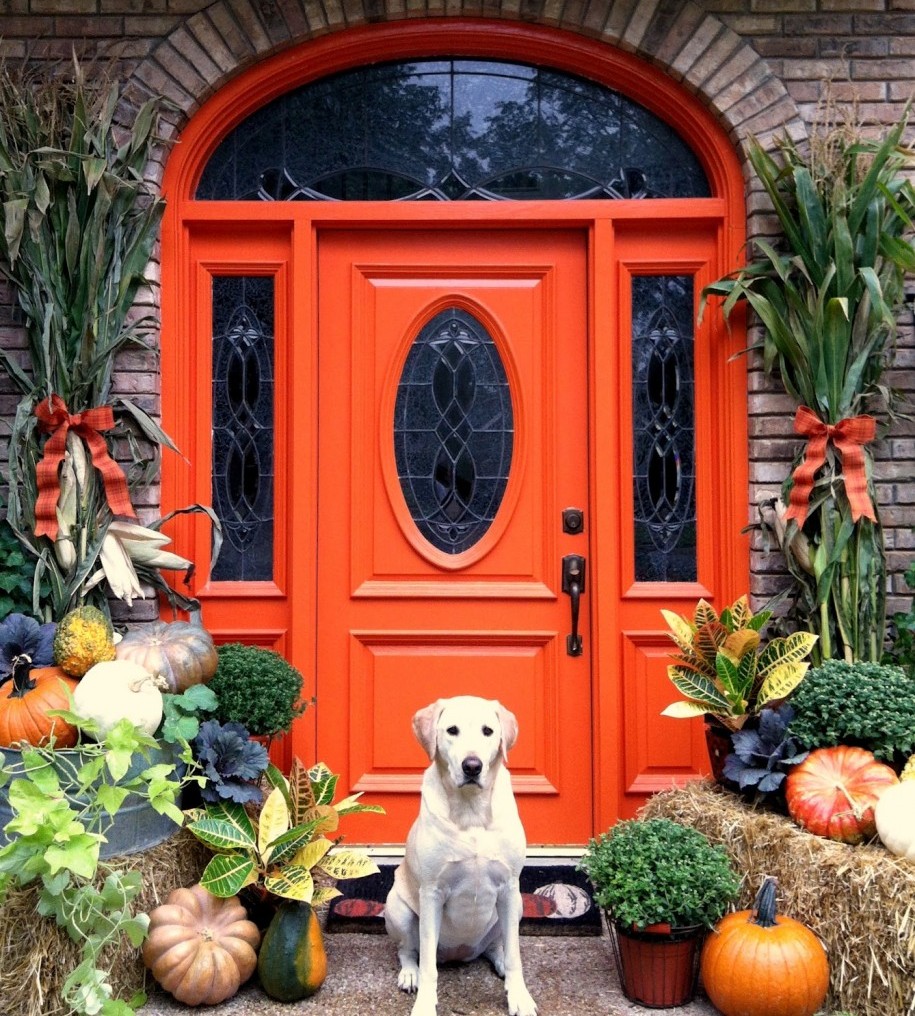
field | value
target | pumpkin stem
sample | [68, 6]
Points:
[19, 675]
[764, 905]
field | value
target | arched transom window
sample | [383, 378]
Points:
[451, 130]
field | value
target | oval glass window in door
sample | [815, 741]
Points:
[453, 430]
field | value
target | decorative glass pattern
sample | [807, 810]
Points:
[664, 428]
[453, 431]
[451, 130]
[243, 434]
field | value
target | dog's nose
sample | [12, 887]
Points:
[472, 767]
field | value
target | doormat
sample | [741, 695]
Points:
[557, 901]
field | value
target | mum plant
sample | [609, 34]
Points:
[78, 223]
[827, 296]
[724, 670]
[656, 871]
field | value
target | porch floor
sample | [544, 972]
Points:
[568, 976]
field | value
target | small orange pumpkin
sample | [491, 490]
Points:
[759, 963]
[201, 948]
[26, 697]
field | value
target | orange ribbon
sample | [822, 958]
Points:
[56, 419]
[849, 436]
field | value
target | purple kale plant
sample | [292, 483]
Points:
[762, 757]
[231, 762]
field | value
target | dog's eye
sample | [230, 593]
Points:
[487, 731]
[453, 731]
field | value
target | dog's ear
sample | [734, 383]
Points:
[509, 730]
[424, 724]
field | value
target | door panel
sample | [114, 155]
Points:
[400, 621]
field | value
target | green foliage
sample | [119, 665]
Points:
[279, 849]
[902, 648]
[257, 688]
[722, 669]
[870, 705]
[17, 576]
[827, 298]
[656, 871]
[181, 714]
[63, 802]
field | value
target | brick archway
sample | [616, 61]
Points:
[689, 44]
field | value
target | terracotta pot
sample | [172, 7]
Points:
[658, 967]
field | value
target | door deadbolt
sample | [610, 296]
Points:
[573, 521]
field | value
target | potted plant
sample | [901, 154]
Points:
[283, 858]
[827, 295]
[725, 672]
[661, 885]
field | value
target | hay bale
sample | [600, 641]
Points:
[38, 956]
[859, 900]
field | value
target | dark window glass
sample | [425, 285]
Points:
[243, 445]
[453, 431]
[664, 428]
[451, 130]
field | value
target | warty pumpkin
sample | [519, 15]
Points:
[182, 652]
[83, 638]
[833, 791]
[759, 963]
[26, 697]
[201, 948]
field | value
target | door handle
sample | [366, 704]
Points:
[573, 583]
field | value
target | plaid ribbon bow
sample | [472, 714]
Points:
[849, 436]
[54, 418]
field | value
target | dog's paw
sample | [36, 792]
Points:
[408, 979]
[520, 1002]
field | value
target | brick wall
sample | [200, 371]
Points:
[759, 64]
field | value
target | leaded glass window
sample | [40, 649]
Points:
[449, 130]
[664, 428]
[453, 430]
[243, 433]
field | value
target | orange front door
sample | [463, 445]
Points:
[453, 432]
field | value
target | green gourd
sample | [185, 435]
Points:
[292, 963]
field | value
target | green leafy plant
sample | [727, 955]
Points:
[827, 297]
[17, 576]
[901, 650]
[869, 705]
[278, 850]
[182, 713]
[257, 688]
[63, 803]
[657, 871]
[723, 670]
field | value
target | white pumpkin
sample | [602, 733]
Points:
[894, 814]
[117, 690]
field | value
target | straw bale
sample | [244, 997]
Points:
[38, 956]
[859, 900]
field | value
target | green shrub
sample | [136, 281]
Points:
[870, 705]
[657, 871]
[257, 688]
[17, 574]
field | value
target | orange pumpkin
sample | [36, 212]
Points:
[759, 963]
[833, 792]
[183, 653]
[201, 948]
[25, 700]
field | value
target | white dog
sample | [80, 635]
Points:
[456, 895]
